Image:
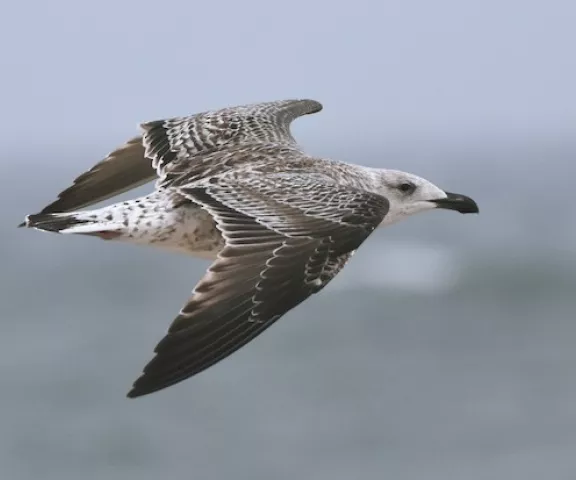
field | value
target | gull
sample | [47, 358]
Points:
[233, 185]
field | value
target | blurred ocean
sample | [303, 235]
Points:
[444, 351]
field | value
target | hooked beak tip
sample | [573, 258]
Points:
[459, 203]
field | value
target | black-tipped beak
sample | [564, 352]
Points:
[460, 203]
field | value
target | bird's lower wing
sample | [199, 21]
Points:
[261, 274]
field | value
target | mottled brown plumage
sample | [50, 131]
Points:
[233, 185]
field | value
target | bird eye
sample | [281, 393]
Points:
[406, 187]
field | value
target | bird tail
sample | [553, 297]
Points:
[72, 222]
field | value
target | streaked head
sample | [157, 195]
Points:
[409, 194]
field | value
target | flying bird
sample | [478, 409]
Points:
[234, 186]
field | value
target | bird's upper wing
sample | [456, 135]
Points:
[123, 169]
[181, 139]
[285, 240]
[176, 142]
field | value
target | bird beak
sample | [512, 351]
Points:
[455, 201]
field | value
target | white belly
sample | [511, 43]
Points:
[157, 220]
[186, 229]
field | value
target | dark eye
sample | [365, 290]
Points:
[406, 187]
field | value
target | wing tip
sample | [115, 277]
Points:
[134, 393]
[139, 390]
[142, 386]
[314, 105]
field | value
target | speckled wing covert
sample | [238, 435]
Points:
[286, 238]
[180, 140]
[137, 162]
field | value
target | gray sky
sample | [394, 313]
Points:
[88, 72]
